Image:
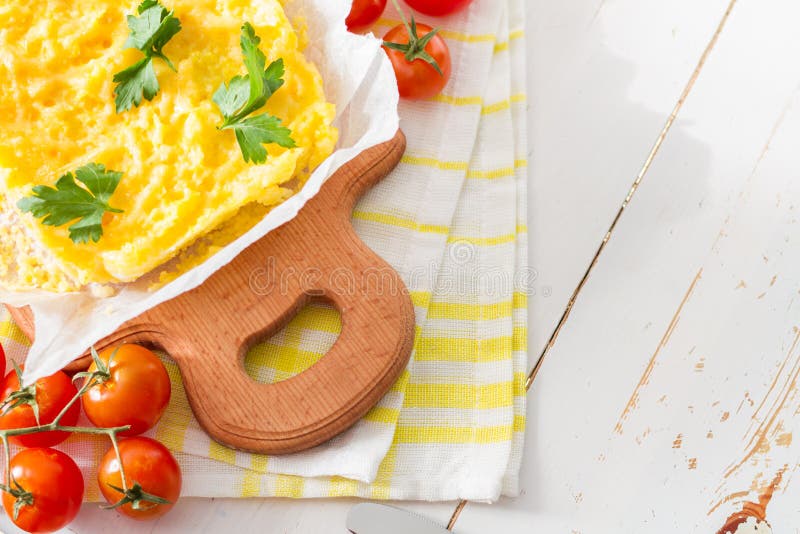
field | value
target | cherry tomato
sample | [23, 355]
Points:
[52, 394]
[150, 467]
[136, 393]
[2, 359]
[363, 14]
[438, 8]
[418, 79]
[48, 485]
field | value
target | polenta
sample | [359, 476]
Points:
[185, 183]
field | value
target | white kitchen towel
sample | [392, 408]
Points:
[451, 220]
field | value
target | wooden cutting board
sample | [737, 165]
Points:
[317, 255]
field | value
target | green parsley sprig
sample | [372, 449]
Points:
[244, 95]
[149, 33]
[68, 201]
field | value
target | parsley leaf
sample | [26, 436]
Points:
[254, 62]
[243, 95]
[134, 82]
[149, 33]
[230, 99]
[252, 133]
[69, 201]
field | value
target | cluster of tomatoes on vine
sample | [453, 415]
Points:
[419, 55]
[123, 393]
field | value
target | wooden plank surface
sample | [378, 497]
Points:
[680, 360]
[604, 76]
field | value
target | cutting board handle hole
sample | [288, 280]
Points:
[297, 346]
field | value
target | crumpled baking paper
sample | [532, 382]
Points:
[358, 79]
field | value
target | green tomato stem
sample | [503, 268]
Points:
[7, 459]
[52, 427]
[113, 437]
[86, 385]
[402, 16]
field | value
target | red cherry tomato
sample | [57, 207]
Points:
[150, 466]
[136, 394]
[363, 14]
[418, 79]
[52, 394]
[438, 8]
[2, 359]
[53, 484]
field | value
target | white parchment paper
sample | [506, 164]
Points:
[358, 79]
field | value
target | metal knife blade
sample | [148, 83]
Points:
[370, 518]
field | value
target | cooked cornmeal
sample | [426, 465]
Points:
[185, 183]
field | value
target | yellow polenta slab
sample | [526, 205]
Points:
[183, 178]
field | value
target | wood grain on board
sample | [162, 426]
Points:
[317, 255]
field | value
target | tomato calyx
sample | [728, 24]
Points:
[23, 396]
[101, 375]
[22, 497]
[415, 48]
[137, 498]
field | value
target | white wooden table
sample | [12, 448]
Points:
[670, 396]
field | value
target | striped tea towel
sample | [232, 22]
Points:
[451, 219]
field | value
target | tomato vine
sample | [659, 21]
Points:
[131, 490]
